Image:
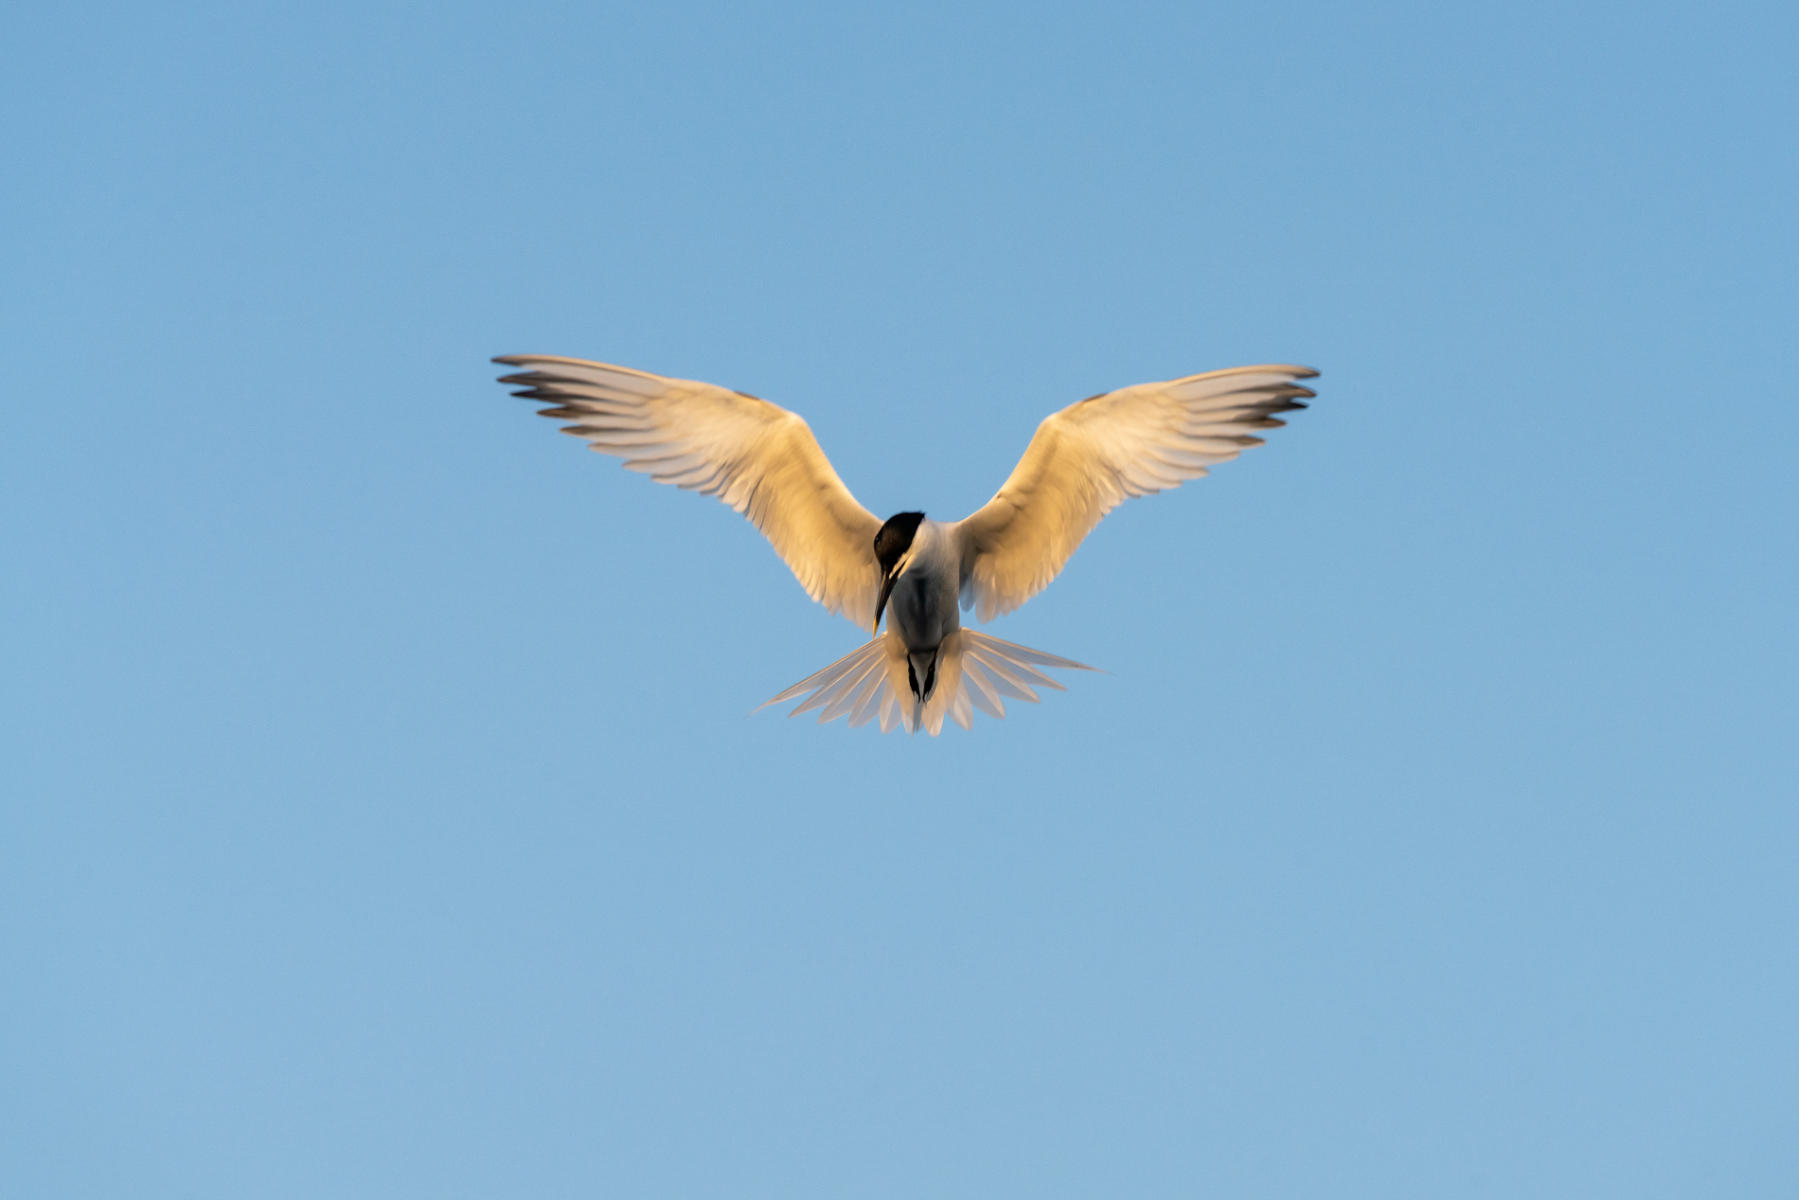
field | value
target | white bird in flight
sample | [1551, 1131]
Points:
[764, 462]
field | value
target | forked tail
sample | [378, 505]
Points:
[972, 671]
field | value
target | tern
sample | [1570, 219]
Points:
[764, 462]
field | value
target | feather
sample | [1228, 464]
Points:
[1087, 459]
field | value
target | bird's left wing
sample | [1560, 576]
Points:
[755, 456]
[1089, 458]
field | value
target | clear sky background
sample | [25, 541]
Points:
[381, 813]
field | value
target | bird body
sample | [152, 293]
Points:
[924, 584]
[763, 461]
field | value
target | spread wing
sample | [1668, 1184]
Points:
[1092, 456]
[755, 456]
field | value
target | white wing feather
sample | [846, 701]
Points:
[1089, 458]
[754, 456]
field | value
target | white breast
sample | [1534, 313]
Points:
[923, 605]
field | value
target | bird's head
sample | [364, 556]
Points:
[891, 544]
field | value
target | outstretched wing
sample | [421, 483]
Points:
[755, 456]
[1092, 456]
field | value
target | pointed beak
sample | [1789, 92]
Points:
[881, 604]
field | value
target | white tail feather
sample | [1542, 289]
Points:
[974, 671]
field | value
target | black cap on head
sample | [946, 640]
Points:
[895, 538]
[891, 543]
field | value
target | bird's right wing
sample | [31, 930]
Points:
[1089, 458]
[755, 456]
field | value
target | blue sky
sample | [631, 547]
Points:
[381, 813]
